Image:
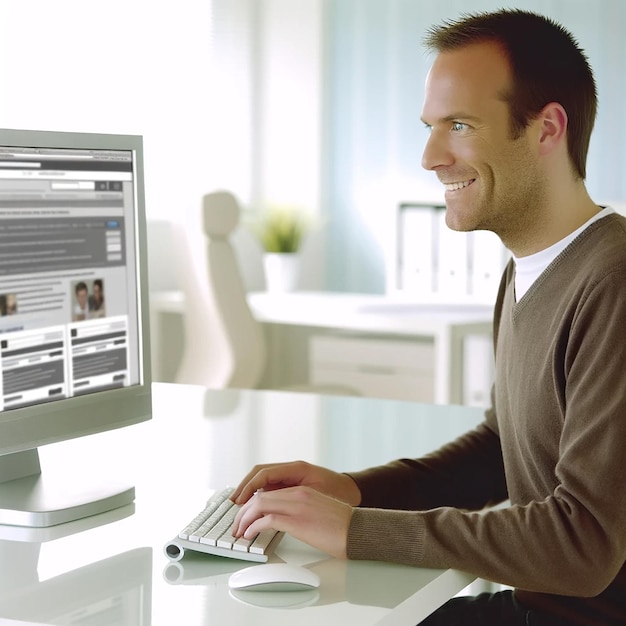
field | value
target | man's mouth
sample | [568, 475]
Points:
[458, 185]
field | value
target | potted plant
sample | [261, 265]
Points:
[280, 232]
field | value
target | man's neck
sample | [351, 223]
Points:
[562, 216]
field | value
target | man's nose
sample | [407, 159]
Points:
[436, 152]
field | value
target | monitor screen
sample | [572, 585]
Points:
[74, 342]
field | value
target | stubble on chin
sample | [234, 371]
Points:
[464, 217]
[515, 216]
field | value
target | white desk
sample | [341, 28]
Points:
[110, 569]
[446, 325]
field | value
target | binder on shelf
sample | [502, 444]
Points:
[416, 255]
[452, 259]
[488, 258]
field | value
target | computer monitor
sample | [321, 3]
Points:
[74, 333]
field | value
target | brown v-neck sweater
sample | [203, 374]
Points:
[553, 443]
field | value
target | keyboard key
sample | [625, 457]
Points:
[242, 544]
[262, 541]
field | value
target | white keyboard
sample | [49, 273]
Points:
[210, 532]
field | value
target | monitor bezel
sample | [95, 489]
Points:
[29, 427]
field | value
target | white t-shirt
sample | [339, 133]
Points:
[529, 268]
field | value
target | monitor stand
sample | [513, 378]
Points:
[31, 498]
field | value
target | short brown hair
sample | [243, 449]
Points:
[547, 65]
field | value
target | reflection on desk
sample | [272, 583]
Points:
[111, 569]
[115, 590]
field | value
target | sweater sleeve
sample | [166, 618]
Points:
[570, 540]
[467, 473]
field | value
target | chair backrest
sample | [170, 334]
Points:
[224, 343]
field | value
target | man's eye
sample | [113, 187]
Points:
[457, 126]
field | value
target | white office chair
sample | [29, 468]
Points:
[224, 343]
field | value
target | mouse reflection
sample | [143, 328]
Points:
[277, 599]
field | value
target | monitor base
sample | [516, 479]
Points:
[37, 500]
[33, 503]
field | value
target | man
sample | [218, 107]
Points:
[81, 308]
[510, 103]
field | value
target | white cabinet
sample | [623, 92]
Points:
[385, 368]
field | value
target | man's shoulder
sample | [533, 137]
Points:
[603, 244]
[594, 268]
[613, 224]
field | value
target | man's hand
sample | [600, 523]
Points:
[306, 514]
[298, 473]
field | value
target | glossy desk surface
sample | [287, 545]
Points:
[111, 569]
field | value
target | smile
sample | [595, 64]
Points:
[459, 185]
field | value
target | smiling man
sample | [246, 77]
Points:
[471, 147]
[510, 104]
[504, 159]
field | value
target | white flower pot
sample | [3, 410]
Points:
[281, 271]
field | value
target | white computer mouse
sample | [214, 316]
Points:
[274, 577]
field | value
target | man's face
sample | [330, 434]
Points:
[81, 297]
[492, 181]
[97, 292]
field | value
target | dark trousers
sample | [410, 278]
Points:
[488, 609]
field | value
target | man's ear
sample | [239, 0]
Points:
[553, 128]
